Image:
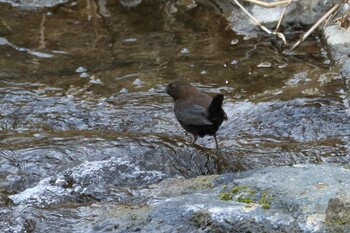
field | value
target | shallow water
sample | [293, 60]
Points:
[84, 120]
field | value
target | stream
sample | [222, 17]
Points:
[85, 121]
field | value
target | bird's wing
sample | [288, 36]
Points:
[193, 115]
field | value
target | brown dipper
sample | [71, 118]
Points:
[197, 112]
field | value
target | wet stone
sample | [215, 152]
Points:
[5, 200]
[35, 3]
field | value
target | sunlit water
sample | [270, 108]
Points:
[84, 117]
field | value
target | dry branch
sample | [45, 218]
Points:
[280, 35]
[282, 16]
[331, 13]
[269, 4]
[333, 9]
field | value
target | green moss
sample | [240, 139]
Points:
[265, 201]
[235, 189]
[238, 188]
[225, 196]
[252, 192]
[340, 222]
[242, 193]
[247, 195]
[245, 199]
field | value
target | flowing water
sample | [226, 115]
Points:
[84, 118]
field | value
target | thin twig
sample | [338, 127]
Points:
[269, 4]
[282, 16]
[331, 17]
[344, 21]
[334, 8]
[280, 35]
[42, 43]
[253, 18]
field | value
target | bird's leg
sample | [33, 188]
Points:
[216, 142]
[194, 138]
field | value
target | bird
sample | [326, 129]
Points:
[197, 112]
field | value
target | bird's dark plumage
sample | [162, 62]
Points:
[197, 112]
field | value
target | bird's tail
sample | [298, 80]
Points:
[215, 107]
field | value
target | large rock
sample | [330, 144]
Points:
[303, 198]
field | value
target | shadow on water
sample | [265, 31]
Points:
[83, 120]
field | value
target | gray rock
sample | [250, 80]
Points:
[307, 12]
[301, 201]
[335, 36]
[298, 13]
[339, 41]
[304, 198]
[267, 15]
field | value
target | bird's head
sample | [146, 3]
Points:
[180, 89]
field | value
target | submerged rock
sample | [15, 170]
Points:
[34, 3]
